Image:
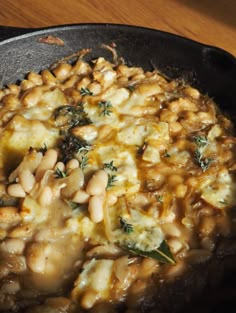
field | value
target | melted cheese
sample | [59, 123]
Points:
[142, 138]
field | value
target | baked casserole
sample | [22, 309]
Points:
[117, 190]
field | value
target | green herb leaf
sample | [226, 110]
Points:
[110, 166]
[43, 149]
[166, 154]
[76, 207]
[223, 202]
[73, 205]
[111, 180]
[126, 227]
[160, 198]
[201, 141]
[60, 174]
[84, 162]
[72, 145]
[85, 91]
[105, 107]
[131, 87]
[204, 163]
[162, 254]
[69, 116]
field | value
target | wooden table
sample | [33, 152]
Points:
[208, 21]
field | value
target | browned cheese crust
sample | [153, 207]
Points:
[117, 191]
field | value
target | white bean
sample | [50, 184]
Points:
[60, 166]
[74, 181]
[81, 196]
[46, 196]
[23, 231]
[27, 180]
[175, 244]
[13, 245]
[2, 189]
[97, 183]
[16, 190]
[18, 264]
[171, 229]
[48, 162]
[9, 215]
[73, 163]
[89, 299]
[111, 198]
[37, 255]
[95, 208]
[10, 287]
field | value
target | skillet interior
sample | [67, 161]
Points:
[210, 69]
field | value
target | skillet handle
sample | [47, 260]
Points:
[7, 32]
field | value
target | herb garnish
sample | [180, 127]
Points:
[110, 166]
[72, 145]
[201, 142]
[105, 106]
[223, 202]
[160, 198]
[161, 254]
[83, 162]
[70, 116]
[60, 174]
[131, 87]
[166, 154]
[85, 91]
[43, 149]
[126, 227]
[73, 205]
[111, 180]
[204, 163]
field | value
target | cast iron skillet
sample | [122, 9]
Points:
[208, 68]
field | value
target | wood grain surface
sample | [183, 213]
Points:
[208, 21]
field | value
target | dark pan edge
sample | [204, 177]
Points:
[216, 61]
[8, 33]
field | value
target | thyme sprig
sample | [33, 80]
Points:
[105, 107]
[72, 145]
[131, 87]
[201, 142]
[166, 154]
[44, 149]
[203, 162]
[111, 180]
[59, 173]
[85, 92]
[110, 166]
[83, 162]
[159, 198]
[69, 116]
[126, 227]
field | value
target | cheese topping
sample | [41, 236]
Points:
[110, 176]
